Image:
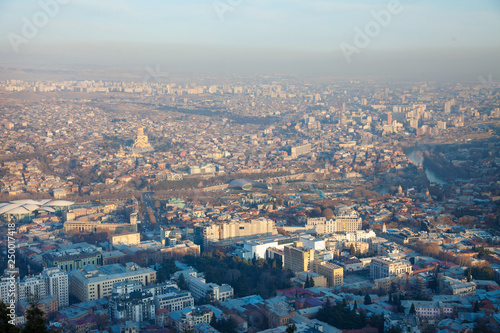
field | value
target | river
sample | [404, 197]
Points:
[416, 156]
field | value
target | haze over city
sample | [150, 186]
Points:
[422, 40]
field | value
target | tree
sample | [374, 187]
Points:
[167, 268]
[181, 282]
[307, 284]
[328, 213]
[35, 319]
[476, 306]
[311, 282]
[412, 309]
[5, 327]
[291, 328]
[368, 299]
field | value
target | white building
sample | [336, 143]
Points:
[91, 282]
[174, 301]
[201, 289]
[386, 267]
[57, 284]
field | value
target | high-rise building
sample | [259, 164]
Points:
[51, 282]
[32, 287]
[57, 284]
[297, 258]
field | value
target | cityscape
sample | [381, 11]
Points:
[193, 197]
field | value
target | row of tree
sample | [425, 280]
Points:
[247, 277]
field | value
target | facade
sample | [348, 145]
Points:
[51, 282]
[460, 288]
[137, 306]
[57, 285]
[91, 282]
[184, 320]
[174, 301]
[297, 258]
[205, 232]
[97, 226]
[70, 261]
[32, 287]
[386, 267]
[126, 239]
[201, 289]
[334, 274]
[5, 288]
[346, 221]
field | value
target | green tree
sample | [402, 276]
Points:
[307, 284]
[412, 309]
[368, 299]
[311, 282]
[476, 306]
[35, 319]
[181, 282]
[5, 327]
[167, 268]
[291, 328]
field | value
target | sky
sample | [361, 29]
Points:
[455, 39]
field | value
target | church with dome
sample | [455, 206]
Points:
[141, 143]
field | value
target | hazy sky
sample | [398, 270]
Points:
[452, 38]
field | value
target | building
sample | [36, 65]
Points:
[319, 280]
[33, 286]
[460, 288]
[345, 221]
[334, 274]
[174, 301]
[57, 285]
[386, 267]
[87, 226]
[73, 257]
[212, 291]
[206, 232]
[8, 286]
[137, 306]
[141, 143]
[184, 320]
[92, 282]
[51, 282]
[300, 150]
[132, 238]
[298, 258]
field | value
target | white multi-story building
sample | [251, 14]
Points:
[174, 301]
[386, 267]
[32, 287]
[91, 282]
[6, 288]
[52, 281]
[56, 284]
[346, 221]
[201, 289]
